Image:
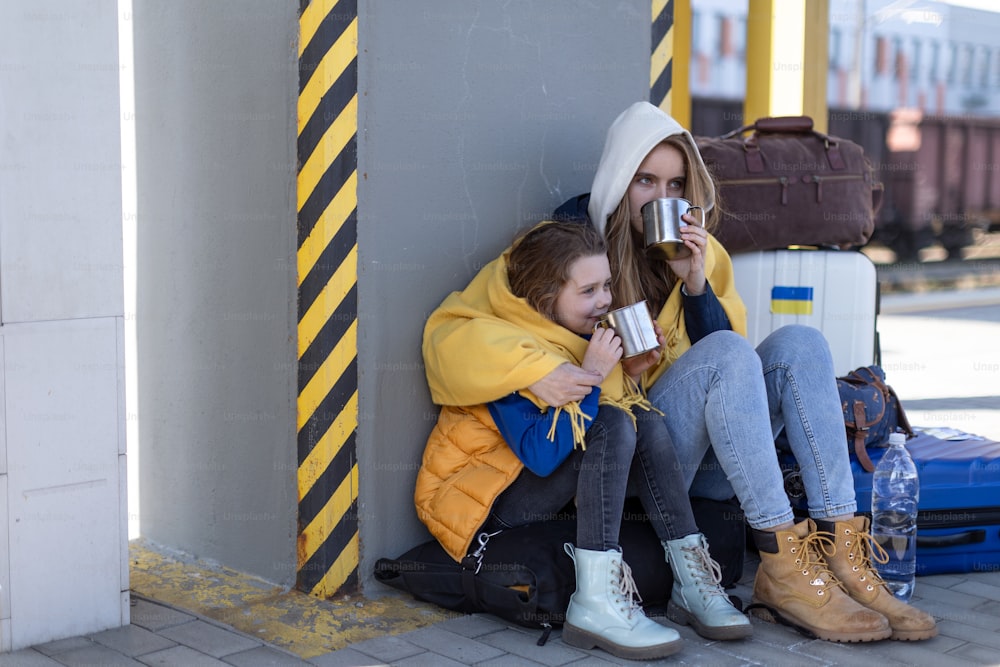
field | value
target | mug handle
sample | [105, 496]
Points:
[701, 211]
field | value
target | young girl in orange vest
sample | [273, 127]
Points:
[500, 457]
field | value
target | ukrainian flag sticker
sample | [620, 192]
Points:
[791, 300]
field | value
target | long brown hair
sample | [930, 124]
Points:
[635, 276]
[541, 259]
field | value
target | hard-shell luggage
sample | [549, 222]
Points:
[958, 515]
[835, 291]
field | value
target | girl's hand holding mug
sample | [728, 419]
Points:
[636, 366]
[603, 352]
[691, 269]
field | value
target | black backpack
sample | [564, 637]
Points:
[523, 574]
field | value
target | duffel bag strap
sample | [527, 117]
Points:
[784, 124]
[878, 191]
[751, 152]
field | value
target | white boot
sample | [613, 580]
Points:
[697, 598]
[603, 611]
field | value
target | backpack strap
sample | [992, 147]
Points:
[861, 427]
[902, 420]
[470, 568]
[471, 564]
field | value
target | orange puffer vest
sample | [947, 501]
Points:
[466, 465]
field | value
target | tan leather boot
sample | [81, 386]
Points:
[852, 563]
[794, 584]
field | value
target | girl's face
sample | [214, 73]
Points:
[661, 174]
[586, 295]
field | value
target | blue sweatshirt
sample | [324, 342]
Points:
[703, 314]
[526, 428]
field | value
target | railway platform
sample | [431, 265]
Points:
[187, 612]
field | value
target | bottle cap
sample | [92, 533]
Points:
[897, 439]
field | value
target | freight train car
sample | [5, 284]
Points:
[941, 176]
[941, 173]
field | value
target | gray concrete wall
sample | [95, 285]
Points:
[215, 96]
[477, 119]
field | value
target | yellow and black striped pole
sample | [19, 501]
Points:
[327, 297]
[670, 57]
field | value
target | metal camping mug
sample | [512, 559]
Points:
[634, 325]
[661, 226]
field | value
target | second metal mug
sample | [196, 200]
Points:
[661, 226]
[634, 325]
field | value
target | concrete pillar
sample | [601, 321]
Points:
[215, 89]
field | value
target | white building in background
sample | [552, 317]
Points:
[884, 54]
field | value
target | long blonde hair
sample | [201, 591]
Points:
[634, 275]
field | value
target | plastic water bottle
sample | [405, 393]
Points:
[895, 494]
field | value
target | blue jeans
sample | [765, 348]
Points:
[725, 402]
[620, 460]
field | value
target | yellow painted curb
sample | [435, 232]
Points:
[289, 619]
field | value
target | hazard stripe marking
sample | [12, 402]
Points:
[661, 57]
[338, 173]
[327, 266]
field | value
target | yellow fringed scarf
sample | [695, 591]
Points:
[632, 398]
[577, 422]
[484, 343]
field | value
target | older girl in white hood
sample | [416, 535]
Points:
[725, 402]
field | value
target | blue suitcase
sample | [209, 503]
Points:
[958, 516]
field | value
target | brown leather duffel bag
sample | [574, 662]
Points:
[787, 184]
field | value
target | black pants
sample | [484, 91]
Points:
[620, 460]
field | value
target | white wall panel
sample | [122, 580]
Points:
[4, 556]
[4, 504]
[65, 490]
[3, 418]
[60, 211]
[123, 578]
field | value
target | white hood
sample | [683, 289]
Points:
[630, 139]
